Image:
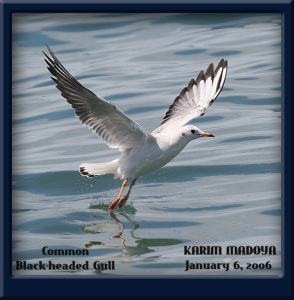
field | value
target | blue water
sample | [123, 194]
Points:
[222, 191]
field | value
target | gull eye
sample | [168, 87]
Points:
[193, 131]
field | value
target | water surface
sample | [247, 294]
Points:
[222, 191]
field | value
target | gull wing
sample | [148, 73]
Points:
[197, 96]
[111, 124]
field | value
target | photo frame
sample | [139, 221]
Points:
[62, 286]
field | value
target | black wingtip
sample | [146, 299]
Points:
[225, 63]
[222, 64]
[209, 71]
[201, 76]
[49, 49]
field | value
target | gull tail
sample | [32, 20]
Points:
[97, 169]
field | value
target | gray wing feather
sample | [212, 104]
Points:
[198, 95]
[111, 124]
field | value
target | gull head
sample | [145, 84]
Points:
[192, 132]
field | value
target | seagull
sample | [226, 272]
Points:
[141, 151]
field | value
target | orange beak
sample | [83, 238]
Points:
[207, 134]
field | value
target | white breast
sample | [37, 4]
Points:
[151, 156]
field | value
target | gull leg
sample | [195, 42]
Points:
[113, 204]
[125, 198]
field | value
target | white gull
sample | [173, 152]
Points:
[142, 152]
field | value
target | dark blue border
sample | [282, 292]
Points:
[91, 287]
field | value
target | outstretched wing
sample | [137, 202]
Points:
[197, 96]
[111, 124]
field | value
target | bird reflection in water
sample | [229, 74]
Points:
[118, 236]
[110, 225]
[143, 245]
